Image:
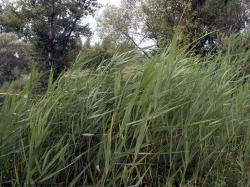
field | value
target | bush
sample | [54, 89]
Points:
[93, 56]
[14, 59]
[16, 85]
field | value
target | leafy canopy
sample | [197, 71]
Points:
[53, 26]
[157, 20]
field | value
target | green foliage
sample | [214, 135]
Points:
[200, 21]
[10, 19]
[161, 18]
[15, 59]
[236, 44]
[74, 51]
[178, 120]
[124, 23]
[233, 46]
[228, 15]
[53, 27]
[100, 54]
[196, 17]
[16, 85]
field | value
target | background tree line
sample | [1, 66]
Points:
[53, 27]
[157, 20]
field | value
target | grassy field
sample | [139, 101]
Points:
[174, 120]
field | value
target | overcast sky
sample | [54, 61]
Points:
[92, 21]
[114, 2]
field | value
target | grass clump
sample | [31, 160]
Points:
[178, 120]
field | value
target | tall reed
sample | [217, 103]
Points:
[175, 120]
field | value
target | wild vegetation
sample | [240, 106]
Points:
[14, 59]
[119, 114]
[176, 119]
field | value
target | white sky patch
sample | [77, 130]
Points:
[93, 25]
[111, 2]
[92, 20]
[16, 54]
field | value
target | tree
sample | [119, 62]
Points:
[157, 20]
[53, 27]
[161, 18]
[14, 59]
[196, 17]
[10, 19]
[124, 23]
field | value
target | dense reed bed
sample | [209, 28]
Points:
[174, 120]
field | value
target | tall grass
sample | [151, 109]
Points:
[177, 120]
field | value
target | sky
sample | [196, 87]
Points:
[92, 24]
[112, 2]
[92, 20]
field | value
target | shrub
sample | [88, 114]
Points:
[93, 56]
[14, 59]
[16, 85]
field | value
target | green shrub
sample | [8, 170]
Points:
[14, 59]
[100, 54]
[16, 85]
